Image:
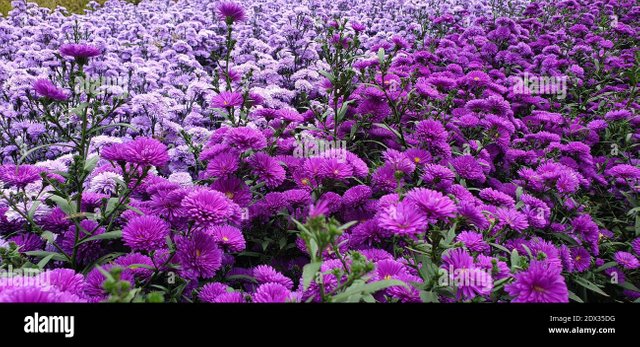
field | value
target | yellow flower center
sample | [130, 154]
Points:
[387, 277]
[538, 289]
[198, 252]
[225, 102]
[416, 159]
[229, 195]
[578, 258]
[304, 181]
[225, 239]
[476, 78]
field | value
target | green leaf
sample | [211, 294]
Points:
[48, 236]
[44, 261]
[358, 289]
[91, 163]
[309, 272]
[43, 254]
[67, 207]
[515, 259]
[111, 205]
[574, 297]
[428, 296]
[606, 266]
[116, 234]
[629, 286]
[328, 75]
[381, 55]
[637, 225]
[589, 285]
[500, 247]
[33, 209]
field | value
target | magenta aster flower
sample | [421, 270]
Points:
[48, 90]
[332, 168]
[79, 51]
[403, 219]
[234, 189]
[433, 204]
[468, 167]
[37, 294]
[141, 266]
[19, 176]
[229, 238]
[473, 241]
[511, 218]
[87, 251]
[145, 233]
[581, 259]
[198, 255]
[271, 293]
[227, 100]
[223, 165]
[541, 282]
[267, 274]
[635, 244]
[246, 138]
[219, 293]
[209, 207]
[627, 260]
[146, 152]
[267, 169]
[231, 12]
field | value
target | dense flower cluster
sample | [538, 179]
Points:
[389, 151]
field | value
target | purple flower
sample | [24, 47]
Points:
[541, 282]
[229, 238]
[246, 138]
[433, 204]
[473, 241]
[511, 218]
[231, 12]
[87, 251]
[79, 51]
[267, 169]
[146, 152]
[271, 293]
[223, 165]
[145, 233]
[227, 100]
[627, 260]
[581, 259]
[139, 265]
[211, 291]
[48, 90]
[198, 255]
[19, 176]
[209, 207]
[267, 274]
[635, 244]
[402, 219]
[468, 167]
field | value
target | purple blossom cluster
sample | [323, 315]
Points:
[182, 181]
